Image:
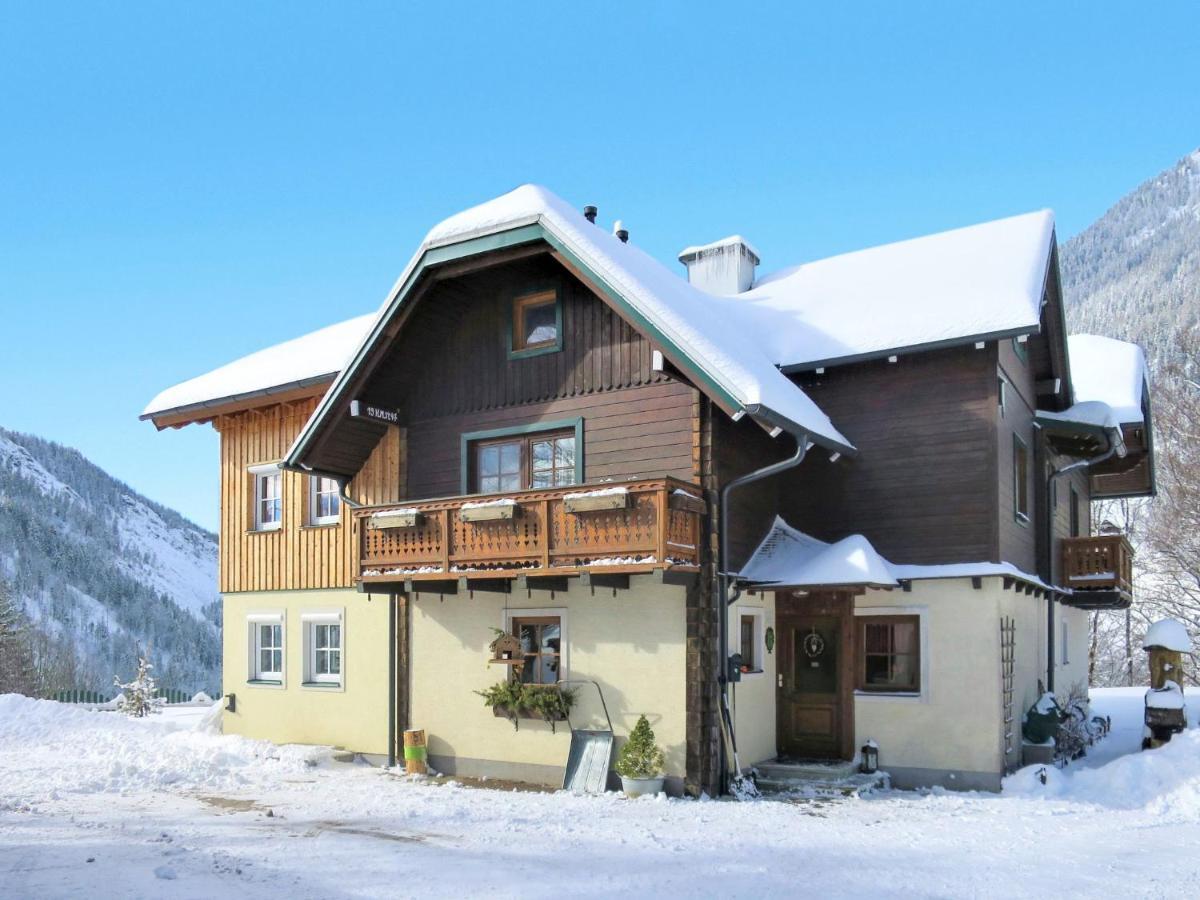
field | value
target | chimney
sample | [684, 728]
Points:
[722, 267]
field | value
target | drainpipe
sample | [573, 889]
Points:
[1116, 447]
[724, 578]
[391, 755]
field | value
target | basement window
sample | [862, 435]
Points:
[536, 323]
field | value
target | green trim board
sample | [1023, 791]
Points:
[467, 438]
[536, 288]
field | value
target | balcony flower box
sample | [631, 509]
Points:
[488, 510]
[397, 518]
[592, 501]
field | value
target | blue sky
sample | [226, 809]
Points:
[181, 185]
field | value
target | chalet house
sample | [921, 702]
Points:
[847, 501]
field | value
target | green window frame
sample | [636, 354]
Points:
[1021, 349]
[469, 440]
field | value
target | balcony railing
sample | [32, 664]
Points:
[636, 526]
[1101, 563]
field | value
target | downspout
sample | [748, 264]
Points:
[722, 600]
[1116, 447]
[391, 755]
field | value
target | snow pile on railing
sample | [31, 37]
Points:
[112, 753]
[487, 504]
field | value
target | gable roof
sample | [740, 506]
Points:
[700, 333]
[309, 360]
[956, 287]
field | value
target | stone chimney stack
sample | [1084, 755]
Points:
[722, 267]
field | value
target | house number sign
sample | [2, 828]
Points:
[362, 410]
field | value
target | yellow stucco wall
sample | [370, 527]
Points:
[632, 642]
[354, 716]
[753, 698]
[955, 722]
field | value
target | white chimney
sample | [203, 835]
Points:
[722, 267]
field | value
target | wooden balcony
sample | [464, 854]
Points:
[1101, 563]
[604, 529]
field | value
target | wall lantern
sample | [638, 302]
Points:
[231, 703]
[870, 758]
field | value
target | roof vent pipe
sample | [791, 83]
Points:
[620, 231]
[589, 213]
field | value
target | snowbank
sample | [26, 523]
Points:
[111, 753]
[1164, 781]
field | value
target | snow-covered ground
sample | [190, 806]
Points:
[95, 805]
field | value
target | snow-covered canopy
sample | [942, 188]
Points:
[787, 557]
[306, 359]
[1168, 634]
[1090, 412]
[790, 557]
[955, 287]
[1109, 371]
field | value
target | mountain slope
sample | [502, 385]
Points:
[1135, 273]
[101, 570]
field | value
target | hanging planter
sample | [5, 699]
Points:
[514, 701]
[592, 501]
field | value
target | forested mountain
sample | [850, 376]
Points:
[97, 571]
[1135, 273]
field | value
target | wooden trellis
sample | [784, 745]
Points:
[1008, 657]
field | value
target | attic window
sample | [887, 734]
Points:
[536, 323]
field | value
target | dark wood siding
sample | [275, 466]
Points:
[449, 372]
[922, 488]
[1017, 538]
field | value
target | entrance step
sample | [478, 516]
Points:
[817, 778]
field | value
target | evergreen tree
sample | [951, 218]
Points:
[640, 757]
[139, 693]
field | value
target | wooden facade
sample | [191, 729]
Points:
[296, 556]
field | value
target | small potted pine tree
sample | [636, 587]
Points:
[640, 762]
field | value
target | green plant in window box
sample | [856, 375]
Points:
[512, 699]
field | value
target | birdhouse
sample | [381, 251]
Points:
[1166, 641]
[506, 650]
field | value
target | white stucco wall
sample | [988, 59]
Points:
[632, 642]
[753, 698]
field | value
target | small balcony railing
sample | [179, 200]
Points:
[636, 526]
[1100, 563]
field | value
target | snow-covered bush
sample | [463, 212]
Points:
[1078, 729]
[138, 695]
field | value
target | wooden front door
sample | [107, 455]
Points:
[814, 703]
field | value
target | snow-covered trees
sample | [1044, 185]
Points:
[139, 699]
[16, 656]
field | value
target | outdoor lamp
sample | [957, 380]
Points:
[870, 758]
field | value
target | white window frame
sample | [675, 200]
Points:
[309, 619]
[259, 473]
[314, 484]
[925, 694]
[564, 653]
[254, 675]
[759, 663]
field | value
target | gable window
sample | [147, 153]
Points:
[536, 323]
[266, 648]
[541, 640]
[322, 648]
[519, 462]
[1020, 480]
[324, 501]
[889, 653]
[268, 497]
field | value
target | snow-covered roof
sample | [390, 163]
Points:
[1168, 634]
[305, 359]
[788, 557]
[706, 329]
[954, 287]
[1110, 371]
[791, 557]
